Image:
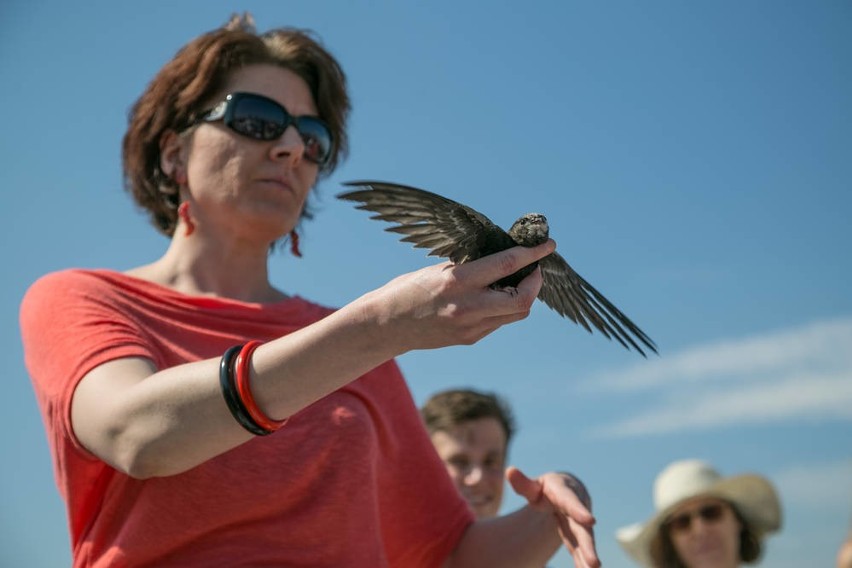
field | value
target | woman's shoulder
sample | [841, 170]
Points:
[61, 281]
[55, 292]
[71, 280]
[58, 301]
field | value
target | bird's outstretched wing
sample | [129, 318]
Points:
[452, 230]
[571, 296]
[445, 227]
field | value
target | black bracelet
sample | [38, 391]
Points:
[229, 392]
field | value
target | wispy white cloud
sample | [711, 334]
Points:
[821, 346]
[803, 373]
[808, 397]
[817, 486]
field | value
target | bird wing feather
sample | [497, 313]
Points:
[571, 296]
[447, 228]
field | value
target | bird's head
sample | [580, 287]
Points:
[530, 230]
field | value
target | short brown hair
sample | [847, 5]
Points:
[450, 408]
[182, 89]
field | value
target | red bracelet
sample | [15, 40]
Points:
[244, 390]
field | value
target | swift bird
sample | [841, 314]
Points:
[455, 231]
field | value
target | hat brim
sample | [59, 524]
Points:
[752, 495]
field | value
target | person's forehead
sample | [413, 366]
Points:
[277, 83]
[480, 433]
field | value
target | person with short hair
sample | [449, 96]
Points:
[471, 432]
[704, 520]
[199, 415]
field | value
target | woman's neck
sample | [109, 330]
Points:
[199, 268]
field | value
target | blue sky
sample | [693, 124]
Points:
[694, 161]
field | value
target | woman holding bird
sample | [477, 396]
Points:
[199, 415]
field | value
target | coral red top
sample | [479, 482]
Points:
[352, 480]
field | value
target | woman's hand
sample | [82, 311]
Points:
[450, 304]
[566, 498]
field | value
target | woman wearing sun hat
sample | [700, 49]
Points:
[703, 519]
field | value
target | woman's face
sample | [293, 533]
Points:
[705, 533]
[252, 190]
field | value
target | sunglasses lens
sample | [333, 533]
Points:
[710, 513]
[257, 118]
[681, 523]
[317, 138]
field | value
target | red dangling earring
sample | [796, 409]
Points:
[183, 213]
[294, 243]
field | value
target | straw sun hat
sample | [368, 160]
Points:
[752, 496]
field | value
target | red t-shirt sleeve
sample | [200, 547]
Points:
[70, 324]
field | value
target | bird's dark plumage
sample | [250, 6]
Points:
[455, 231]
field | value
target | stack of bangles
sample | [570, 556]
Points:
[234, 381]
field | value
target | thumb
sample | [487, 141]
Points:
[529, 489]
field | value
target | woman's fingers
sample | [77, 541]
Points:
[489, 269]
[454, 304]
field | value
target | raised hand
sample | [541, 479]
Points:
[566, 497]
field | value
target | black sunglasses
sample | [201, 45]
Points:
[710, 513]
[261, 118]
